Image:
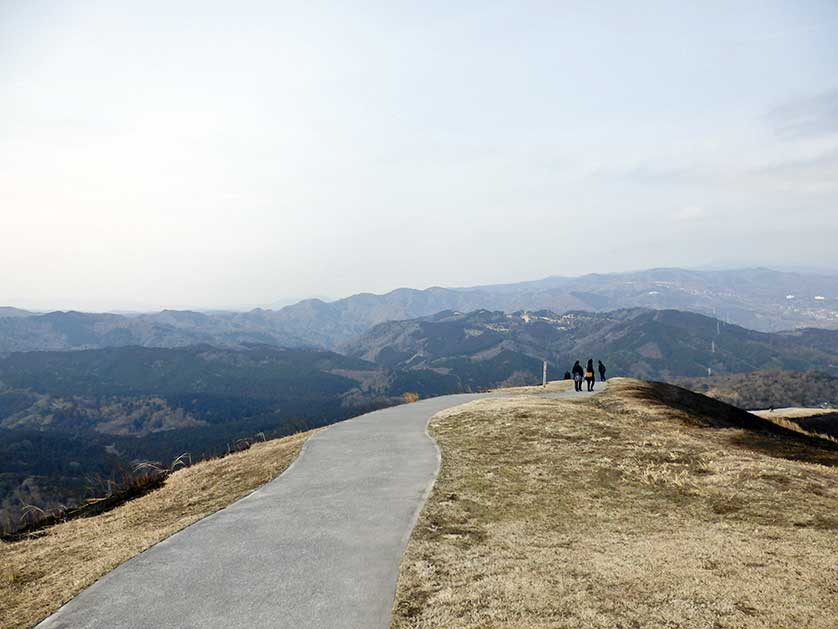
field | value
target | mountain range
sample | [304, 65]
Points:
[484, 347]
[759, 299]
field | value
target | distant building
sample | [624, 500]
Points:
[820, 298]
[789, 296]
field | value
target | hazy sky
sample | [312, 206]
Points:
[216, 154]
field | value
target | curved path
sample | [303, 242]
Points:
[319, 547]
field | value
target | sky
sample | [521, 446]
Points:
[202, 154]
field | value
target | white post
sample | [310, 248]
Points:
[544, 375]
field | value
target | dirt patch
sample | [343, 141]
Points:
[630, 509]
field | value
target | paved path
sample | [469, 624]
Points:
[318, 547]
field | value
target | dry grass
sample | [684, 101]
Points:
[784, 417]
[39, 574]
[641, 507]
[791, 425]
[796, 412]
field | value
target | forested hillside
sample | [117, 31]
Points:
[769, 389]
[72, 422]
[484, 346]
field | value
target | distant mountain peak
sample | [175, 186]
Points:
[754, 298]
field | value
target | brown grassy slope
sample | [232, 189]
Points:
[711, 411]
[642, 507]
[39, 574]
[822, 422]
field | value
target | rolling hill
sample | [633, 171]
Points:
[645, 506]
[7, 311]
[58, 331]
[760, 299]
[485, 348]
[769, 389]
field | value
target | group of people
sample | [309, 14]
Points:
[579, 373]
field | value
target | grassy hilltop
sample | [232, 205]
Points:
[646, 506]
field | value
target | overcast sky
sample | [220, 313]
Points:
[229, 154]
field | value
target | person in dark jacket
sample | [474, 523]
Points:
[590, 378]
[578, 374]
[601, 371]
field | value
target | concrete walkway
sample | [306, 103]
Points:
[318, 547]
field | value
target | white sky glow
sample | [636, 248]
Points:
[215, 154]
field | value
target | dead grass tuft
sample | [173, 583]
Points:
[636, 508]
[44, 571]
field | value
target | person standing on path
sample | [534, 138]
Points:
[578, 374]
[590, 378]
[601, 371]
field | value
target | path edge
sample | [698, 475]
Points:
[44, 623]
[423, 500]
